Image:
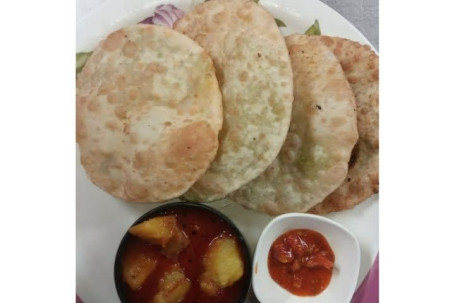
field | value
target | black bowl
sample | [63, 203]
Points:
[119, 285]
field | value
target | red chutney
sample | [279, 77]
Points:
[301, 261]
[202, 227]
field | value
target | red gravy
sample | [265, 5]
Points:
[301, 261]
[202, 227]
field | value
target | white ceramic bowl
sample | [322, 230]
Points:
[346, 268]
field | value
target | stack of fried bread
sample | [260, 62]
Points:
[224, 106]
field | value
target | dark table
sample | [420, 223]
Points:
[363, 14]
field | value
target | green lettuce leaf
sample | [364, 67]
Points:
[280, 23]
[81, 59]
[314, 29]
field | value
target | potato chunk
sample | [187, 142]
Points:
[158, 230]
[223, 265]
[172, 287]
[136, 267]
[162, 231]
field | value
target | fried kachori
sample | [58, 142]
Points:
[361, 67]
[148, 113]
[314, 159]
[255, 77]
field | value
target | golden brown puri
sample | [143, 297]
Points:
[148, 113]
[361, 67]
[314, 159]
[255, 76]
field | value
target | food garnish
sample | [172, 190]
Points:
[280, 23]
[81, 59]
[165, 15]
[314, 29]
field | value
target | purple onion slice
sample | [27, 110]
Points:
[165, 15]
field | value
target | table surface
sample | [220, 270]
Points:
[363, 14]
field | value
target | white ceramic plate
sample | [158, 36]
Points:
[102, 220]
